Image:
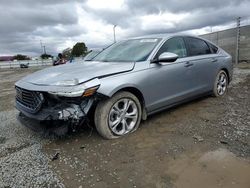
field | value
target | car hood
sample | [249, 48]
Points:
[82, 71]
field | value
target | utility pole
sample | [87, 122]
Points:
[237, 54]
[211, 29]
[43, 47]
[114, 33]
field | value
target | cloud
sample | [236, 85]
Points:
[61, 23]
[155, 6]
[25, 23]
[160, 16]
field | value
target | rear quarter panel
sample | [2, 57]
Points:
[225, 62]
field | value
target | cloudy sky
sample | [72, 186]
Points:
[61, 23]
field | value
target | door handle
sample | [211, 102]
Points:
[188, 64]
[214, 60]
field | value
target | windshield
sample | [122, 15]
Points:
[91, 55]
[133, 50]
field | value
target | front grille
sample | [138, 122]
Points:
[31, 101]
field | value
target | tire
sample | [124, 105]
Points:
[220, 84]
[111, 111]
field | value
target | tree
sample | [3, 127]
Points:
[67, 53]
[46, 56]
[21, 57]
[79, 49]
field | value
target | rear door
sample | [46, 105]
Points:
[203, 61]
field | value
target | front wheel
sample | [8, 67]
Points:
[118, 116]
[220, 84]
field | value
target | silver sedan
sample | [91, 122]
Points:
[125, 83]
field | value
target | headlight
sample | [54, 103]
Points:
[67, 94]
[72, 82]
[85, 89]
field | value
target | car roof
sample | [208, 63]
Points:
[167, 36]
[164, 36]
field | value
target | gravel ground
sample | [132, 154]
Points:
[207, 140]
[22, 162]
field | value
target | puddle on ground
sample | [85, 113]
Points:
[219, 168]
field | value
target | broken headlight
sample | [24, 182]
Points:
[84, 89]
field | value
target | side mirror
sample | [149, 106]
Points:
[167, 57]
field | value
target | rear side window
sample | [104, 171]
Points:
[174, 45]
[197, 46]
[213, 48]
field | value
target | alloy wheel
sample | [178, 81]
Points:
[123, 116]
[222, 84]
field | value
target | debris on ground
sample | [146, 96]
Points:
[198, 138]
[223, 142]
[55, 157]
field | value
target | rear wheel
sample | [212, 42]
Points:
[118, 116]
[220, 84]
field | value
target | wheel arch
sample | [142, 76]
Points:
[227, 72]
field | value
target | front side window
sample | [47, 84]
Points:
[133, 50]
[197, 46]
[174, 45]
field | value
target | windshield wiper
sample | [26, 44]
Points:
[105, 61]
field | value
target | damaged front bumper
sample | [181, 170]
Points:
[55, 105]
[73, 112]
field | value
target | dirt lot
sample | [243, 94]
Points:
[204, 143]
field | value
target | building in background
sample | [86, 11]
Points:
[6, 58]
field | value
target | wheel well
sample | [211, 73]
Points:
[224, 69]
[134, 91]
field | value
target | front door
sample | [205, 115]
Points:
[170, 82]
